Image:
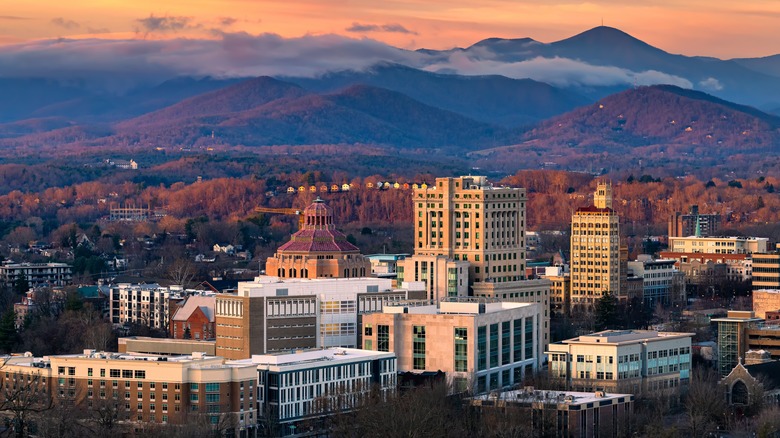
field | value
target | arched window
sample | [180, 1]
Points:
[739, 393]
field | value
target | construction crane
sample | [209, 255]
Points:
[294, 211]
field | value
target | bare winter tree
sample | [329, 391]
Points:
[24, 396]
[182, 272]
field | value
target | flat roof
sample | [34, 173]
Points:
[327, 355]
[565, 397]
[452, 307]
[617, 337]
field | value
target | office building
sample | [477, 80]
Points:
[718, 245]
[443, 276]
[564, 413]
[766, 271]
[477, 344]
[658, 280]
[469, 219]
[270, 314]
[318, 250]
[595, 250]
[297, 389]
[622, 360]
[145, 388]
[694, 223]
[731, 338]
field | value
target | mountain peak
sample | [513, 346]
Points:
[604, 36]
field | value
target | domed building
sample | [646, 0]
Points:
[318, 250]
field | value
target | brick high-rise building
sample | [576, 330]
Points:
[595, 249]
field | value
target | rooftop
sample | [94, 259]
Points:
[307, 357]
[624, 337]
[529, 395]
[462, 307]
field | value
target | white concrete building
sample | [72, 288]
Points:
[718, 245]
[477, 344]
[622, 360]
[298, 387]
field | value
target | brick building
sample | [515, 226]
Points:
[195, 319]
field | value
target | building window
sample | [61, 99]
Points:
[506, 346]
[461, 349]
[493, 345]
[482, 348]
[383, 338]
[529, 338]
[418, 347]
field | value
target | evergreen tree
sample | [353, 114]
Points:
[8, 335]
[606, 315]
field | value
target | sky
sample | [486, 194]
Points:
[724, 29]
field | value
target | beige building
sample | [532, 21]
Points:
[145, 388]
[318, 250]
[165, 346]
[595, 250]
[718, 245]
[477, 344]
[269, 315]
[766, 271]
[469, 219]
[765, 300]
[622, 360]
[560, 289]
[443, 276]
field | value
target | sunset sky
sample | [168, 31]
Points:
[720, 28]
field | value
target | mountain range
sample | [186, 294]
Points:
[606, 98]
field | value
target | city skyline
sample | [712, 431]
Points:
[719, 29]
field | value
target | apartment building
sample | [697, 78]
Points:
[764, 301]
[479, 345]
[145, 388]
[297, 389]
[595, 249]
[144, 304]
[624, 360]
[37, 274]
[270, 314]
